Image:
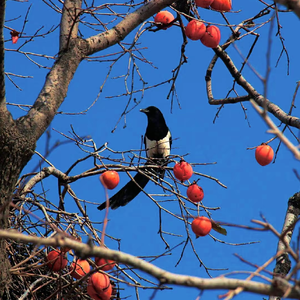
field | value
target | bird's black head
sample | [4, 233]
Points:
[153, 113]
[157, 127]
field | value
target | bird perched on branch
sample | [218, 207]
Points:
[158, 145]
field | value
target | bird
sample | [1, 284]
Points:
[158, 141]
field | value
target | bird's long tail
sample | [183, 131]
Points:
[128, 192]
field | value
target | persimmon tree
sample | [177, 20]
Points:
[87, 32]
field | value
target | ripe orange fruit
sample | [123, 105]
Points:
[221, 5]
[80, 268]
[14, 36]
[106, 264]
[204, 3]
[195, 30]
[195, 193]
[264, 154]
[56, 260]
[92, 293]
[110, 179]
[183, 170]
[211, 37]
[99, 287]
[164, 17]
[14, 39]
[201, 226]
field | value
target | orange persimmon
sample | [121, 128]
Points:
[195, 193]
[201, 226]
[106, 264]
[183, 170]
[211, 37]
[110, 179]
[56, 260]
[195, 30]
[80, 268]
[99, 287]
[264, 154]
[221, 5]
[164, 17]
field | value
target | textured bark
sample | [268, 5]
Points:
[15, 151]
[69, 22]
[2, 75]
[283, 263]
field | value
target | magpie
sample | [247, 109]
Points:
[158, 143]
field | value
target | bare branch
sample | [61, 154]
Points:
[121, 30]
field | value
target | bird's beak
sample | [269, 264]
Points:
[144, 110]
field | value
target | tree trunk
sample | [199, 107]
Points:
[15, 151]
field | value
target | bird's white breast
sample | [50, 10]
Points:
[160, 148]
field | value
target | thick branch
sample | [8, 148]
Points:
[161, 275]
[129, 23]
[283, 263]
[54, 91]
[69, 22]
[294, 5]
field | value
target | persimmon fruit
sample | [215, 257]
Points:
[183, 170]
[211, 37]
[264, 154]
[110, 179]
[99, 287]
[195, 30]
[56, 260]
[204, 3]
[195, 193]
[92, 293]
[164, 17]
[14, 36]
[221, 5]
[201, 226]
[106, 264]
[14, 39]
[80, 268]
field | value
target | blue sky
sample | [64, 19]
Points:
[252, 189]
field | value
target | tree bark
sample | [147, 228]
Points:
[16, 150]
